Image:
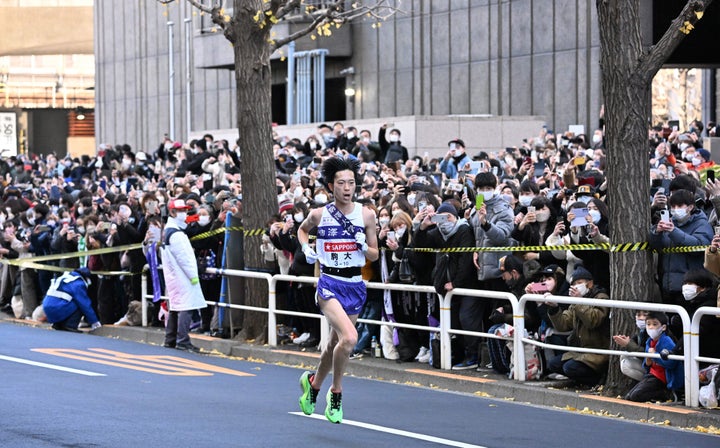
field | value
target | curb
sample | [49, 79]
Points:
[485, 383]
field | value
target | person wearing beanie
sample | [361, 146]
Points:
[444, 229]
[67, 301]
[590, 328]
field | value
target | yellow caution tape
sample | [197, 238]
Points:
[627, 247]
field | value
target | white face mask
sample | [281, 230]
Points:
[689, 291]
[204, 220]
[350, 135]
[640, 323]
[81, 210]
[394, 138]
[679, 213]
[411, 199]
[696, 161]
[542, 216]
[508, 198]
[595, 215]
[321, 198]
[181, 216]
[655, 333]
[400, 232]
[525, 200]
[298, 217]
[597, 138]
[383, 221]
[581, 288]
[487, 195]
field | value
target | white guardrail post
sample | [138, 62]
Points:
[695, 352]
[143, 296]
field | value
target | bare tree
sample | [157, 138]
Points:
[627, 70]
[249, 30]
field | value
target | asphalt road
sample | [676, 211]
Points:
[79, 390]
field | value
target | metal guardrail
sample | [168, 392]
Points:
[690, 358]
[695, 358]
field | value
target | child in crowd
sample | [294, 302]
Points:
[630, 365]
[664, 376]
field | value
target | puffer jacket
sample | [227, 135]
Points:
[495, 233]
[590, 326]
[696, 231]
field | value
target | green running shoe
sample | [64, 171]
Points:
[333, 410]
[309, 396]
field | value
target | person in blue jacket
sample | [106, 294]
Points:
[664, 377]
[67, 301]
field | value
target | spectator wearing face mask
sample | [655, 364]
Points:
[455, 159]
[590, 328]
[492, 224]
[391, 147]
[687, 227]
[631, 366]
[448, 230]
[534, 229]
[700, 289]
[208, 252]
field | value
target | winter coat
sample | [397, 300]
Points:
[461, 269]
[179, 268]
[67, 294]
[674, 371]
[495, 233]
[696, 231]
[590, 328]
[451, 166]
[709, 332]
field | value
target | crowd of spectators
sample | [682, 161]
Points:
[549, 190]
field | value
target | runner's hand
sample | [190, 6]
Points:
[360, 240]
[310, 255]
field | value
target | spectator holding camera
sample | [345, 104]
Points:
[455, 159]
[444, 229]
[687, 227]
[590, 328]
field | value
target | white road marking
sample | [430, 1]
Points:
[50, 366]
[397, 432]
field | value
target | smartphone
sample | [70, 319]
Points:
[439, 219]
[527, 160]
[539, 169]
[661, 190]
[422, 205]
[456, 187]
[579, 161]
[390, 125]
[103, 184]
[475, 167]
[479, 201]
[711, 175]
[297, 175]
[665, 215]
[531, 209]
[391, 235]
[717, 230]
[539, 288]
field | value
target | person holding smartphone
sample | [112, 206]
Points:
[454, 270]
[455, 159]
[688, 227]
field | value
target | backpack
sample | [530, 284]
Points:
[500, 354]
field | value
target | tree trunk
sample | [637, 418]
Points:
[252, 76]
[627, 99]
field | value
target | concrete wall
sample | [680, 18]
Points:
[440, 57]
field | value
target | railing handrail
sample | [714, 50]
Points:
[609, 303]
[690, 356]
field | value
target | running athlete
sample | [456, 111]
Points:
[345, 238]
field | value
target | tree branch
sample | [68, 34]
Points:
[335, 13]
[653, 60]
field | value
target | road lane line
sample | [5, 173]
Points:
[50, 366]
[397, 432]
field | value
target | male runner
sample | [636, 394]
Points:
[345, 237]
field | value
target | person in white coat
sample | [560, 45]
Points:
[182, 281]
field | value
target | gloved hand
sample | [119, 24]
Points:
[194, 281]
[310, 255]
[360, 240]
[95, 326]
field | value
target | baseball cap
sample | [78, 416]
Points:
[457, 141]
[178, 204]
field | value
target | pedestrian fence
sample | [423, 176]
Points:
[690, 336]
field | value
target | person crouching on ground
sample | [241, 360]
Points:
[67, 301]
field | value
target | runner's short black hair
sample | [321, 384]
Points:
[333, 165]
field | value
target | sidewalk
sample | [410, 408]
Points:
[485, 383]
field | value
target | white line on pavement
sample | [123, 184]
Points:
[397, 432]
[50, 366]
